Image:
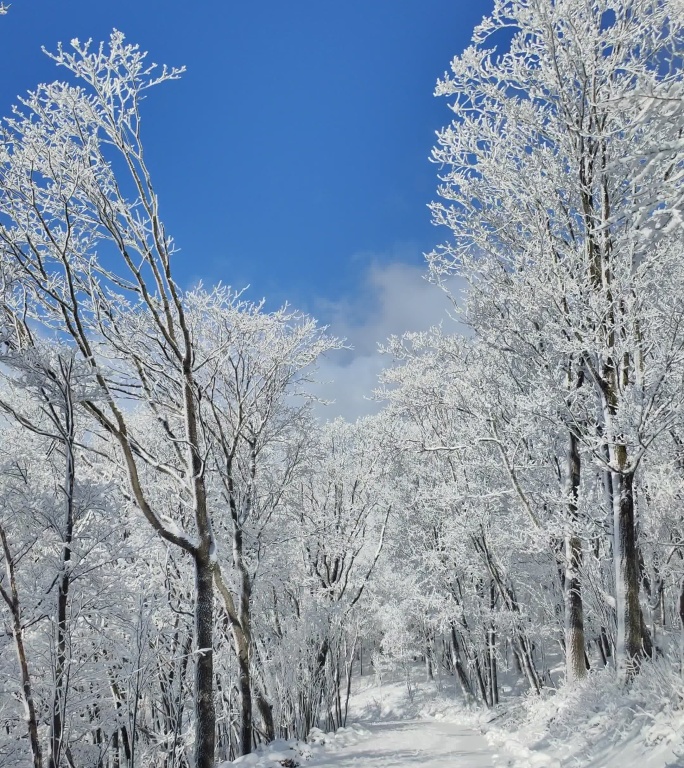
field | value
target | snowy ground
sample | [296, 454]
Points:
[410, 723]
[414, 744]
[393, 730]
[597, 725]
[417, 743]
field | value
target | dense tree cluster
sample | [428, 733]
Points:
[193, 564]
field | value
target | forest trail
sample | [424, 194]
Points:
[419, 743]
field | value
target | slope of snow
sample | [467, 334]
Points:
[598, 724]
[293, 753]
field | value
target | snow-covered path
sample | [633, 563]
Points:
[413, 744]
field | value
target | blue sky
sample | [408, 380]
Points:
[293, 154]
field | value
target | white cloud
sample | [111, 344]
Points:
[394, 298]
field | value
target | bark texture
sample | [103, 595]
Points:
[575, 664]
[629, 636]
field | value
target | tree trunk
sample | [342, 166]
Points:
[245, 689]
[629, 649]
[575, 664]
[266, 711]
[12, 600]
[244, 654]
[31, 720]
[116, 763]
[205, 716]
[60, 693]
[606, 646]
[527, 661]
[429, 667]
[240, 632]
[492, 677]
[680, 611]
[491, 644]
[463, 681]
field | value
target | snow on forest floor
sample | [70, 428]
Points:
[414, 743]
[390, 731]
[599, 724]
[391, 744]
[407, 723]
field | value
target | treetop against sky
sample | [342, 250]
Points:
[294, 151]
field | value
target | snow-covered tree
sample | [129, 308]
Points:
[554, 233]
